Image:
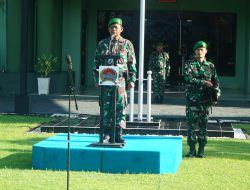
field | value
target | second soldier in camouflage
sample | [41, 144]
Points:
[160, 67]
[202, 91]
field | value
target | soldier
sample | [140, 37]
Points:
[160, 67]
[116, 45]
[201, 93]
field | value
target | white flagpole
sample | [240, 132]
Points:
[141, 59]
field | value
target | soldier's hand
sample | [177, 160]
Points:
[131, 85]
[97, 85]
[208, 83]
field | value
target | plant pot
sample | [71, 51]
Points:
[43, 86]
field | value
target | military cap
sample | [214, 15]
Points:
[199, 44]
[159, 44]
[115, 21]
[156, 44]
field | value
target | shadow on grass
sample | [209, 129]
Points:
[216, 148]
[17, 161]
[229, 149]
[18, 158]
[28, 141]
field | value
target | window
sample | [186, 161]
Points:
[180, 31]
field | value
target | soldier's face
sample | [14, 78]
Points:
[200, 52]
[159, 48]
[115, 29]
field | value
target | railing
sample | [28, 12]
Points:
[131, 105]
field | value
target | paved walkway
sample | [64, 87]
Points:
[231, 106]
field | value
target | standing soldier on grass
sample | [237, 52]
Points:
[160, 67]
[202, 92]
[116, 45]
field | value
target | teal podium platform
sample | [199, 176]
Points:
[141, 154]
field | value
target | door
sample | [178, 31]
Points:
[179, 31]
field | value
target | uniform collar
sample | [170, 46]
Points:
[121, 39]
[159, 52]
[203, 63]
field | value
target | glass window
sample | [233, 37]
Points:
[179, 31]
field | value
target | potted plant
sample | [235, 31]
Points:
[44, 67]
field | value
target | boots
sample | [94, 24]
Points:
[192, 152]
[118, 135]
[201, 153]
[106, 135]
[106, 138]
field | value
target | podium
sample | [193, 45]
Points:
[108, 77]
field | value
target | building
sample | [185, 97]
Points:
[30, 28]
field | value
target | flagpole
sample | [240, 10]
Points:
[141, 59]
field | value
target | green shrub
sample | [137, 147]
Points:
[44, 65]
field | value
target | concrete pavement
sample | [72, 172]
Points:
[230, 106]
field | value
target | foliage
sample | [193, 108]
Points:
[44, 65]
[225, 167]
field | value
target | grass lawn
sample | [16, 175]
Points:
[225, 167]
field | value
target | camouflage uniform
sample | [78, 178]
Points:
[127, 73]
[160, 67]
[199, 98]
